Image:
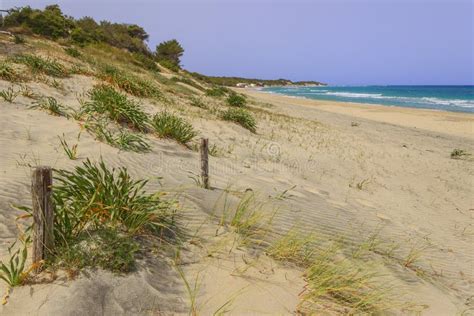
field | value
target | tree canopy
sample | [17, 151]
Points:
[170, 51]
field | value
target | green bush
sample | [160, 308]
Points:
[117, 106]
[236, 100]
[241, 117]
[169, 64]
[171, 126]
[145, 62]
[217, 92]
[73, 52]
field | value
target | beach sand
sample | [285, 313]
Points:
[342, 171]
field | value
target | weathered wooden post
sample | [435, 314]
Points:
[205, 162]
[43, 212]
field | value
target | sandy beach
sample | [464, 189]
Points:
[368, 177]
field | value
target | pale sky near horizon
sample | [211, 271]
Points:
[336, 41]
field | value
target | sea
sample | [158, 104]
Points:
[447, 98]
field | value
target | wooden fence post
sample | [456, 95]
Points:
[43, 212]
[205, 162]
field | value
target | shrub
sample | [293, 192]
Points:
[129, 83]
[217, 92]
[145, 62]
[236, 100]
[18, 39]
[117, 106]
[169, 65]
[38, 64]
[458, 153]
[171, 126]
[241, 117]
[73, 52]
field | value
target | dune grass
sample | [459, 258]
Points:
[117, 106]
[459, 153]
[217, 92]
[8, 73]
[9, 94]
[70, 151]
[42, 65]
[242, 117]
[168, 125]
[13, 272]
[51, 105]
[123, 139]
[129, 82]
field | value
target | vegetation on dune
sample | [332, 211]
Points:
[237, 100]
[459, 153]
[242, 117]
[168, 53]
[217, 92]
[129, 83]
[8, 73]
[73, 52]
[51, 105]
[168, 125]
[117, 106]
[42, 65]
[52, 23]
[9, 94]
[233, 81]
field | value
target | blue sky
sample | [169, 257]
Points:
[335, 41]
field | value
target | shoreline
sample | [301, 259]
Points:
[433, 120]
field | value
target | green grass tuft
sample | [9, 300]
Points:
[8, 73]
[9, 94]
[39, 64]
[117, 106]
[51, 105]
[129, 83]
[171, 126]
[459, 153]
[241, 117]
[73, 52]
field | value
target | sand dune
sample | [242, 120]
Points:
[390, 175]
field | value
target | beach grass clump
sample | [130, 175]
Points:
[123, 139]
[349, 284]
[236, 100]
[168, 125]
[248, 219]
[459, 153]
[13, 273]
[117, 106]
[51, 105]
[129, 83]
[217, 92]
[8, 73]
[294, 247]
[93, 196]
[9, 94]
[145, 62]
[242, 117]
[42, 65]
[198, 103]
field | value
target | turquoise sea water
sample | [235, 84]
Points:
[448, 98]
